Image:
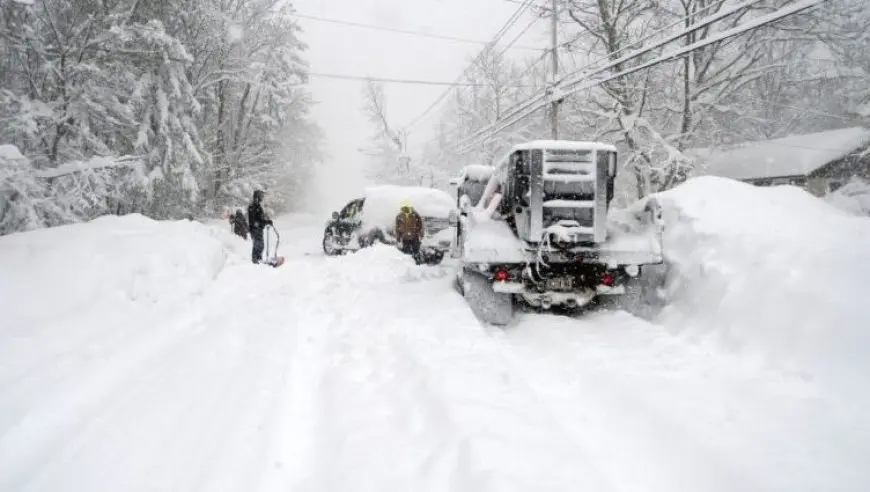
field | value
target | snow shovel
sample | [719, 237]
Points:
[272, 258]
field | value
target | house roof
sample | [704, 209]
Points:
[795, 155]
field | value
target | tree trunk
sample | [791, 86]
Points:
[221, 171]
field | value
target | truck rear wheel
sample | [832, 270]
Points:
[489, 306]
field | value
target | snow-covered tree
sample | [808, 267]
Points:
[763, 83]
[388, 159]
[846, 34]
[191, 100]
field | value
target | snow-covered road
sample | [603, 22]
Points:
[368, 373]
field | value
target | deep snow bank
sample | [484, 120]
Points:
[774, 272]
[49, 272]
[853, 197]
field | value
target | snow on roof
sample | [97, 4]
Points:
[563, 144]
[795, 155]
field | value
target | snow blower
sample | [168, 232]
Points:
[271, 257]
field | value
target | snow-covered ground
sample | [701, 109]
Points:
[137, 355]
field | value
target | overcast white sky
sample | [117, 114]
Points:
[356, 51]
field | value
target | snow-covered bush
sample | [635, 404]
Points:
[24, 201]
[31, 198]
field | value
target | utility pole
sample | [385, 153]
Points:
[554, 105]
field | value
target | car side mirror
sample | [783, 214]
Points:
[334, 215]
[464, 204]
[453, 218]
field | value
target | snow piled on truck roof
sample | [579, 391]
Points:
[477, 172]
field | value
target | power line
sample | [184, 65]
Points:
[521, 108]
[673, 55]
[518, 36]
[534, 64]
[537, 102]
[404, 31]
[647, 37]
[524, 5]
[396, 80]
[520, 2]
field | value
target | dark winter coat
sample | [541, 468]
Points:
[257, 219]
[240, 225]
[409, 226]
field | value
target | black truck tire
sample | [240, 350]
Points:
[329, 238]
[432, 257]
[491, 307]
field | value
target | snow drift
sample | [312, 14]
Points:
[772, 272]
[853, 197]
[107, 260]
[368, 372]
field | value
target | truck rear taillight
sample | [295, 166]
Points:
[501, 275]
[607, 279]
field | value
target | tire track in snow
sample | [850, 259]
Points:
[96, 425]
[60, 368]
[115, 398]
[517, 418]
[615, 366]
[418, 398]
[374, 397]
[51, 422]
[288, 460]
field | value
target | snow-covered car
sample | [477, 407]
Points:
[371, 218]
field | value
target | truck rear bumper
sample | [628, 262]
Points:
[545, 299]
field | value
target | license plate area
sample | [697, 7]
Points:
[565, 283]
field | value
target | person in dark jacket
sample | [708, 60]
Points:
[257, 221]
[239, 224]
[409, 231]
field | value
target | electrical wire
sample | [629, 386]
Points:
[540, 101]
[396, 80]
[520, 2]
[501, 32]
[403, 31]
[517, 37]
[707, 21]
[649, 36]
